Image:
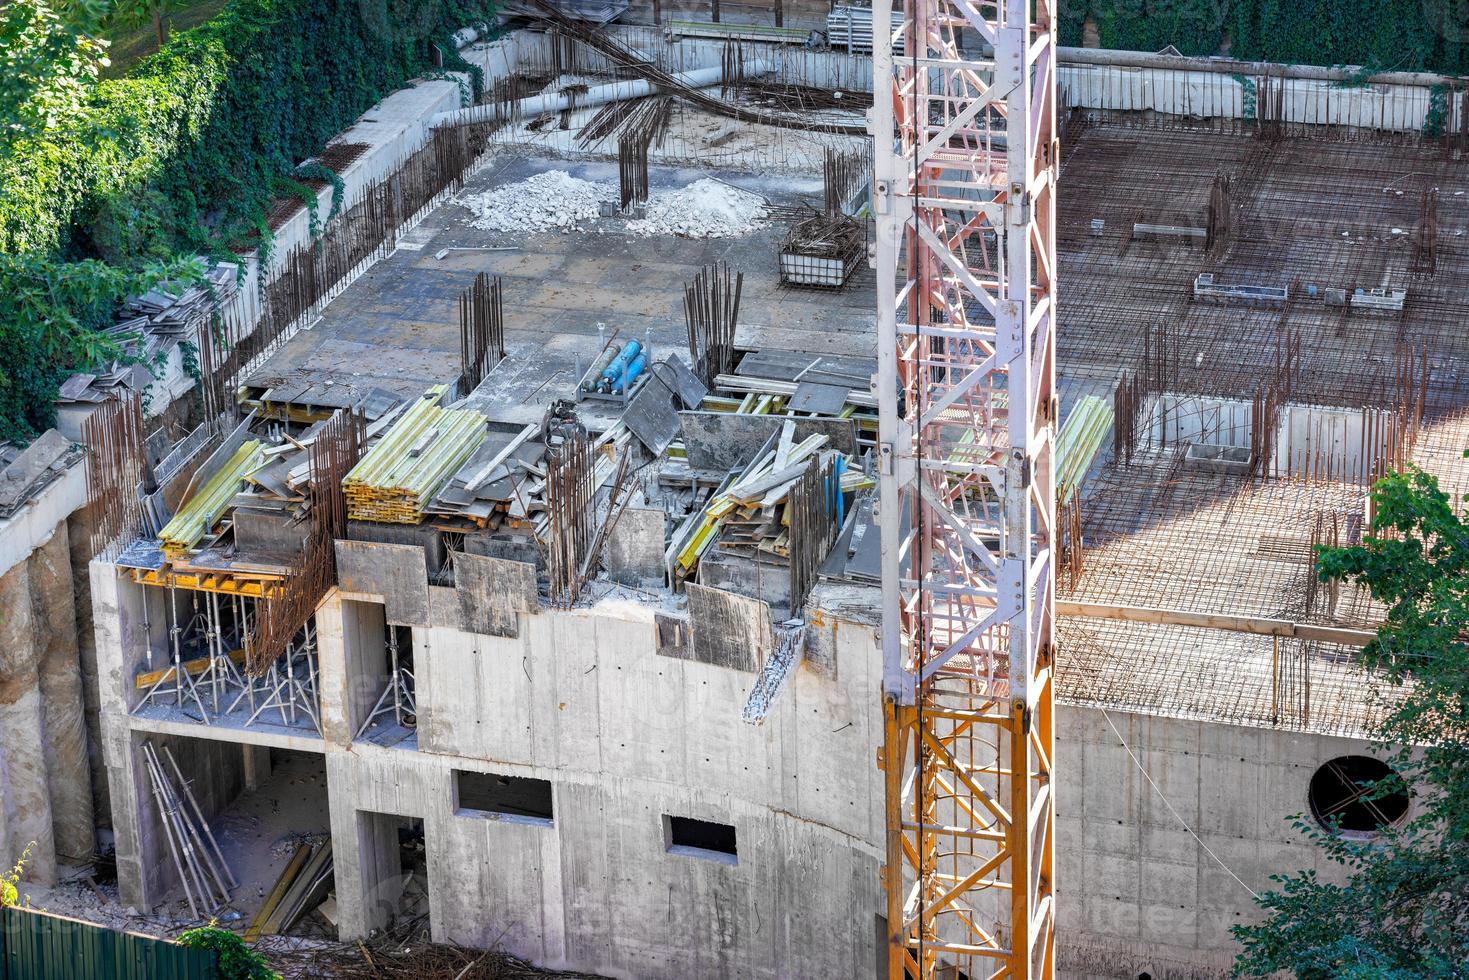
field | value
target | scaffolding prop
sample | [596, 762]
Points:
[397, 698]
[964, 193]
[206, 878]
[208, 642]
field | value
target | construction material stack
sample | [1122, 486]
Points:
[394, 482]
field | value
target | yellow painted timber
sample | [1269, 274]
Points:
[293, 868]
[194, 668]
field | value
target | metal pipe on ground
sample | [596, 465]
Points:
[538, 105]
[1229, 66]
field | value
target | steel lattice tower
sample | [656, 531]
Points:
[964, 191]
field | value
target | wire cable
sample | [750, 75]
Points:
[1181, 822]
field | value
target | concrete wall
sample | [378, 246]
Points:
[1137, 892]
[583, 700]
[625, 735]
[1209, 95]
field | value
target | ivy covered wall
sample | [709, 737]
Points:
[182, 157]
[1388, 35]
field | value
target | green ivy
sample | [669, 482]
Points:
[1438, 111]
[51, 317]
[1249, 97]
[1387, 35]
[183, 157]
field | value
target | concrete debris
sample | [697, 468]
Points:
[773, 674]
[555, 200]
[705, 209]
[550, 200]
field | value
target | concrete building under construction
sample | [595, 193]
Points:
[514, 569]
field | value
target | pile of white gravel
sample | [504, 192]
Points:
[704, 209]
[550, 200]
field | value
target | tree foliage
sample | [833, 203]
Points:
[1404, 35]
[47, 63]
[183, 157]
[1404, 909]
[236, 960]
[51, 315]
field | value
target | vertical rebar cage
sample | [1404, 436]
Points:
[964, 194]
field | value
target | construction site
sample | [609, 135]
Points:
[728, 506]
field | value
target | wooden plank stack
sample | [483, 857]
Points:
[750, 515]
[396, 479]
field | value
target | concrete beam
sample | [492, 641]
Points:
[1216, 621]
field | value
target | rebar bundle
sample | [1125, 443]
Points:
[113, 434]
[1160, 358]
[333, 453]
[1270, 108]
[569, 497]
[1127, 403]
[1071, 549]
[1220, 218]
[732, 60]
[711, 310]
[1287, 362]
[481, 331]
[841, 174]
[1423, 260]
[632, 169]
[1264, 424]
[1321, 597]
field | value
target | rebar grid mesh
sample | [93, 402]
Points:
[1163, 533]
[1305, 213]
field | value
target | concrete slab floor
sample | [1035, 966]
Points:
[397, 327]
[259, 832]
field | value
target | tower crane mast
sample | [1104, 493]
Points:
[964, 194]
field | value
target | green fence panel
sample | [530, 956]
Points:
[40, 946]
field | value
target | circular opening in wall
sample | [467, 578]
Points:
[1343, 796]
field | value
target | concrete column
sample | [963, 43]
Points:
[67, 769]
[331, 662]
[27, 804]
[117, 611]
[257, 765]
[365, 857]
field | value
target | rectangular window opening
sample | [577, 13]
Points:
[700, 838]
[519, 798]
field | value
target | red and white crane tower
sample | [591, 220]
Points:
[964, 194]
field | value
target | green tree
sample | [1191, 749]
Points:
[136, 13]
[1404, 909]
[48, 60]
[236, 960]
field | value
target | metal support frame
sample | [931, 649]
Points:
[964, 200]
[203, 678]
[397, 698]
